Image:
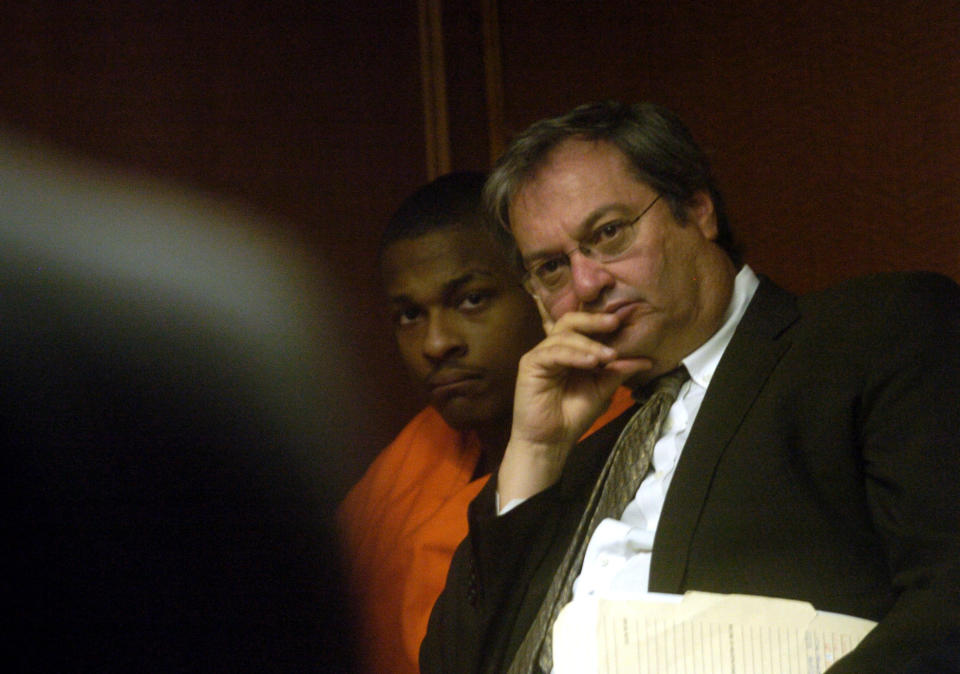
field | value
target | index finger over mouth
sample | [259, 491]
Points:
[545, 317]
[586, 322]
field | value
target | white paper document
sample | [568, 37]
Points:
[701, 633]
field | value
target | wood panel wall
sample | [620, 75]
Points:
[834, 127]
[308, 112]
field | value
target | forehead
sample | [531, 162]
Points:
[431, 261]
[577, 178]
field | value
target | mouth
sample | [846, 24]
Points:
[627, 312]
[447, 383]
[623, 310]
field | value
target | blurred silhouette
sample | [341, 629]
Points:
[175, 400]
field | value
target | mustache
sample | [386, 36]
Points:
[450, 373]
[607, 305]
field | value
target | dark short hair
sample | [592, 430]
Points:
[659, 147]
[452, 200]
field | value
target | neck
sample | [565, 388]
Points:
[717, 280]
[718, 295]
[493, 441]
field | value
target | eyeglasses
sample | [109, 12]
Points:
[609, 241]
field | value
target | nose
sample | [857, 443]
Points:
[589, 278]
[443, 339]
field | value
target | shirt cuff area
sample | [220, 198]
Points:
[511, 504]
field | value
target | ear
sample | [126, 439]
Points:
[701, 214]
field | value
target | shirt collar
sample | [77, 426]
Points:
[702, 363]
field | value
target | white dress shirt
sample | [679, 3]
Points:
[617, 561]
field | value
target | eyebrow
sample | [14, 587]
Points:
[453, 285]
[585, 226]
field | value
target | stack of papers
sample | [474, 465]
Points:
[701, 633]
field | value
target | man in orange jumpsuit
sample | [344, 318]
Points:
[462, 320]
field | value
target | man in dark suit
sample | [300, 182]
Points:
[813, 451]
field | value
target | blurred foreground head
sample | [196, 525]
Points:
[176, 402]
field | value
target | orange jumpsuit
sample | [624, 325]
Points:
[400, 525]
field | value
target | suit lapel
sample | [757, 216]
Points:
[747, 363]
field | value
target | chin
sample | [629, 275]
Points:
[637, 339]
[463, 414]
[629, 344]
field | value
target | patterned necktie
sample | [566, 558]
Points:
[617, 485]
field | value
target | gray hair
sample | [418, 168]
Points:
[659, 147]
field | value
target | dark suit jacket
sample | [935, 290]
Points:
[823, 466]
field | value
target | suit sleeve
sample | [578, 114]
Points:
[911, 452]
[489, 584]
[502, 570]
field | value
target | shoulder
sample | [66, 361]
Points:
[900, 292]
[902, 305]
[879, 324]
[424, 437]
[423, 444]
[426, 428]
[867, 324]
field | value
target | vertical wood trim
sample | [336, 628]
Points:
[493, 70]
[434, 84]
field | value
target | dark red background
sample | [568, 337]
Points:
[834, 127]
